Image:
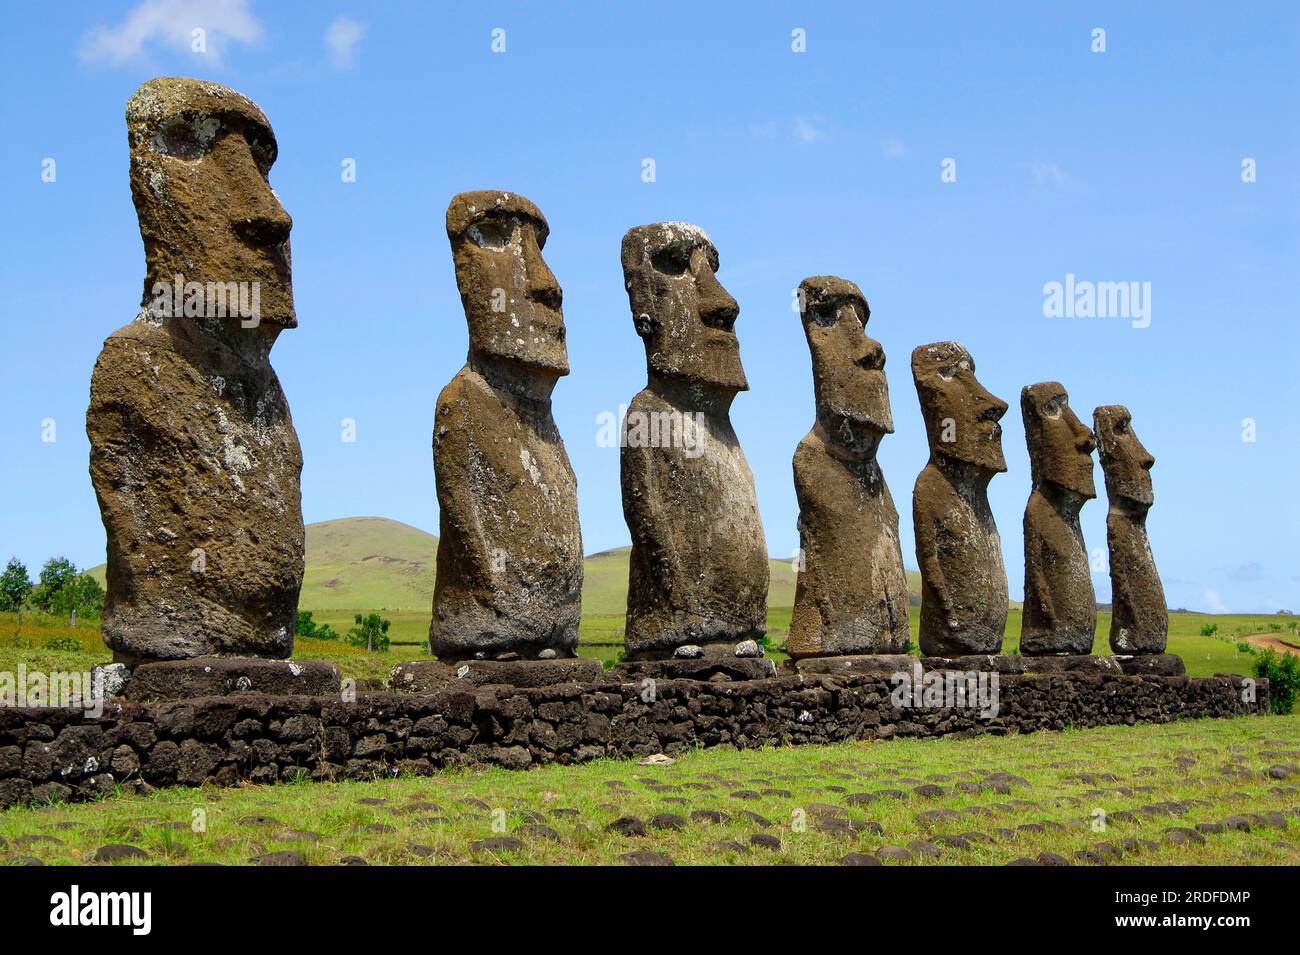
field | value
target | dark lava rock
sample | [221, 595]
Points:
[627, 826]
[763, 840]
[497, 844]
[646, 857]
[116, 851]
[858, 858]
[285, 857]
[667, 820]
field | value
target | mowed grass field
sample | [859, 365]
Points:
[1208, 792]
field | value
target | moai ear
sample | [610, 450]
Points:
[645, 325]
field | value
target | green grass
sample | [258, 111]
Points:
[436, 819]
[1204, 656]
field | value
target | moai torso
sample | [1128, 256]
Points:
[509, 575]
[699, 570]
[1139, 620]
[1060, 609]
[851, 592]
[194, 459]
[963, 578]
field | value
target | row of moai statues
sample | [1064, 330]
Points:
[196, 464]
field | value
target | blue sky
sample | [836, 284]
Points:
[1122, 165]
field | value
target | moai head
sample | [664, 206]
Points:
[682, 313]
[1124, 461]
[511, 299]
[848, 367]
[1060, 445]
[961, 417]
[200, 155]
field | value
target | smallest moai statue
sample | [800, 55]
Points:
[1060, 613]
[1139, 622]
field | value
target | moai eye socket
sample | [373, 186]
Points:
[948, 372]
[492, 232]
[673, 260]
[186, 137]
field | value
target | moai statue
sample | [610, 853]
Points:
[963, 579]
[509, 574]
[193, 455]
[851, 594]
[1139, 622]
[1060, 610]
[699, 572]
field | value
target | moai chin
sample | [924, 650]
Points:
[509, 570]
[193, 454]
[1060, 609]
[1139, 620]
[963, 579]
[851, 593]
[699, 570]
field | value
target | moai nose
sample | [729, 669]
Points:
[542, 285]
[717, 308]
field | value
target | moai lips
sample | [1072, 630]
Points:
[851, 594]
[1060, 609]
[509, 575]
[1139, 615]
[193, 454]
[699, 570]
[963, 579]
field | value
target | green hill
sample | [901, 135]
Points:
[360, 563]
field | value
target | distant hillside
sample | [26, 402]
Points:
[360, 563]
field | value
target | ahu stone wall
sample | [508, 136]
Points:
[59, 754]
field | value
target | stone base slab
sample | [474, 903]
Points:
[708, 668]
[428, 676]
[162, 680]
[1154, 664]
[1008, 663]
[880, 664]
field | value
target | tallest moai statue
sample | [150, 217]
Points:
[193, 455]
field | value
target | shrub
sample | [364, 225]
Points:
[1282, 670]
[306, 627]
[63, 643]
[1209, 630]
[370, 633]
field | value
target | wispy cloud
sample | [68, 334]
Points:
[893, 149]
[172, 23]
[1049, 172]
[806, 132]
[341, 40]
[1213, 602]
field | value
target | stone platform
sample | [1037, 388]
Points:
[49, 753]
[221, 676]
[1156, 664]
[427, 676]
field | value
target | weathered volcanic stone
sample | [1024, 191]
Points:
[699, 570]
[1139, 621]
[222, 676]
[509, 575]
[193, 455]
[427, 676]
[963, 580]
[1060, 612]
[883, 664]
[851, 593]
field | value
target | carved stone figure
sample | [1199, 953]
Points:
[699, 569]
[509, 575]
[963, 579]
[851, 594]
[193, 455]
[1139, 622]
[1060, 610]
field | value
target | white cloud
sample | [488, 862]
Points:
[893, 149]
[806, 132]
[172, 23]
[341, 40]
[1213, 601]
[1049, 172]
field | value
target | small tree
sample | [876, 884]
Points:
[306, 627]
[370, 632]
[56, 574]
[1282, 670]
[15, 586]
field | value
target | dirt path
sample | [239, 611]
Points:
[1273, 641]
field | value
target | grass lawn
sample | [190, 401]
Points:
[30, 643]
[1112, 789]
